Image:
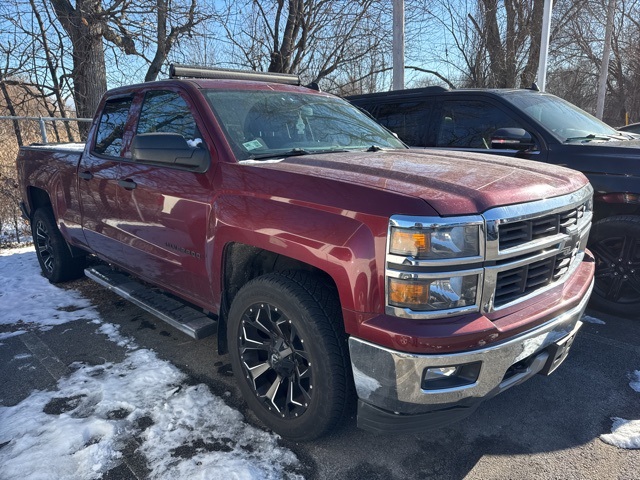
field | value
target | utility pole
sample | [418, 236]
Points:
[398, 44]
[544, 44]
[604, 66]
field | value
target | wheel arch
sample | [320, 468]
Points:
[243, 262]
[614, 204]
[37, 198]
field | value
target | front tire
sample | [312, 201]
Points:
[54, 255]
[615, 243]
[289, 355]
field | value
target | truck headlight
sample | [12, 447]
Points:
[434, 243]
[433, 293]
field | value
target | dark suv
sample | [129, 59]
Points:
[533, 125]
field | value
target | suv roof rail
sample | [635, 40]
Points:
[194, 71]
[407, 91]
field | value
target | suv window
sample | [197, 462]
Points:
[407, 119]
[111, 127]
[466, 124]
[167, 112]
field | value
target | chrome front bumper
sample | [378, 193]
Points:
[391, 381]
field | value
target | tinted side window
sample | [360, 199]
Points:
[111, 127]
[408, 120]
[471, 124]
[167, 112]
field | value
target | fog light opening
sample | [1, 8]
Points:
[453, 376]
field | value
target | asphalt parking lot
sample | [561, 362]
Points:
[547, 428]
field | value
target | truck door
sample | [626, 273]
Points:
[164, 209]
[99, 171]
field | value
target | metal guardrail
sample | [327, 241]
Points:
[42, 120]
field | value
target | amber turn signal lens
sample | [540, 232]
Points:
[408, 294]
[406, 242]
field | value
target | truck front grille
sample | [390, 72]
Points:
[519, 232]
[534, 246]
[526, 279]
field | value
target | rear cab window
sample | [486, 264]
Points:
[111, 127]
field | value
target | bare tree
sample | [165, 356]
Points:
[313, 38]
[124, 24]
[497, 42]
[33, 59]
[86, 25]
[577, 50]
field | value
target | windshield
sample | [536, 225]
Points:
[263, 124]
[565, 120]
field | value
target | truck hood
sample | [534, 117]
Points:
[611, 157]
[453, 183]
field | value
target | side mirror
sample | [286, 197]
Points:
[512, 139]
[167, 149]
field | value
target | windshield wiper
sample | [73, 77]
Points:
[373, 148]
[288, 153]
[591, 136]
[296, 152]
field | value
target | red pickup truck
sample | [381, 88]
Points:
[326, 255]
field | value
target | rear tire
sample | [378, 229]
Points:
[615, 243]
[289, 355]
[54, 255]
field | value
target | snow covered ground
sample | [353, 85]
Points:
[80, 429]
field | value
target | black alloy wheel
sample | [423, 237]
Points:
[274, 360]
[45, 250]
[289, 354]
[615, 243]
[54, 254]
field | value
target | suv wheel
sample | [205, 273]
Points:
[615, 243]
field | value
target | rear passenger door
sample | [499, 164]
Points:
[99, 172]
[409, 119]
[164, 208]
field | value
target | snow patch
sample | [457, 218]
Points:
[5, 335]
[29, 299]
[113, 333]
[22, 356]
[79, 430]
[625, 434]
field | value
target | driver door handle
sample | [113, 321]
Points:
[127, 184]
